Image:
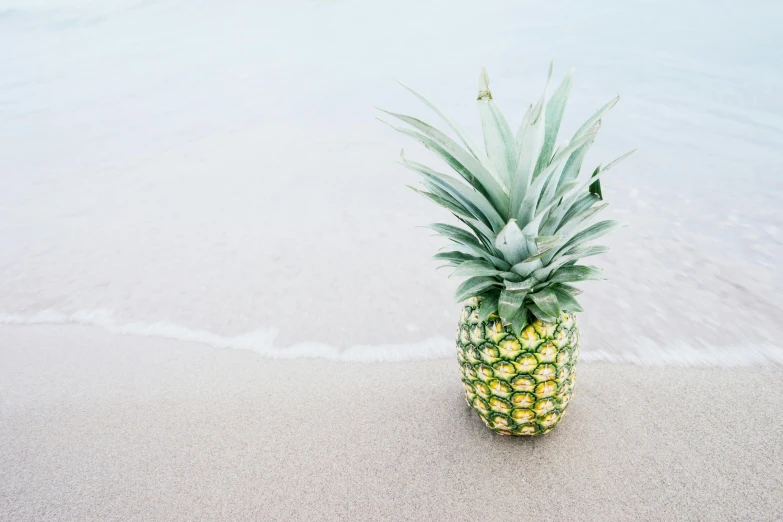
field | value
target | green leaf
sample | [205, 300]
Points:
[488, 306]
[597, 174]
[574, 164]
[580, 206]
[569, 257]
[482, 231]
[565, 299]
[576, 273]
[580, 221]
[527, 209]
[538, 313]
[530, 150]
[524, 125]
[595, 188]
[498, 140]
[554, 114]
[439, 200]
[554, 216]
[596, 117]
[585, 251]
[509, 303]
[513, 243]
[534, 257]
[470, 242]
[474, 268]
[544, 243]
[439, 185]
[473, 286]
[527, 267]
[454, 257]
[522, 286]
[468, 196]
[444, 199]
[518, 321]
[599, 171]
[463, 136]
[549, 186]
[499, 263]
[456, 234]
[458, 158]
[546, 300]
[565, 287]
[530, 140]
[592, 232]
[570, 195]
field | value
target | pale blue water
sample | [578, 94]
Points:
[216, 165]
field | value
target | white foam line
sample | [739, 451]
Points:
[261, 341]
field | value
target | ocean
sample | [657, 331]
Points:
[214, 171]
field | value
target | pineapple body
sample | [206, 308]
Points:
[518, 385]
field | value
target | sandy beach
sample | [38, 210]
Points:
[96, 426]
[215, 303]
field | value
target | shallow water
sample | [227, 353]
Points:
[213, 171]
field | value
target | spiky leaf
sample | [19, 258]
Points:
[498, 140]
[519, 321]
[488, 306]
[527, 209]
[475, 268]
[546, 300]
[544, 243]
[509, 303]
[473, 286]
[532, 141]
[583, 251]
[595, 188]
[538, 313]
[597, 116]
[513, 243]
[568, 274]
[574, 163]
[463, 136]
[458, 158]
[579, 207]
[466, 195]
[455, 233]
[565, 299]
[565, 287]
[454, 257]
[590, 233]
[554, 114]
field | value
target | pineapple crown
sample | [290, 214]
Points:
[529, 217]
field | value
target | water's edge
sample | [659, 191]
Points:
[261, 341]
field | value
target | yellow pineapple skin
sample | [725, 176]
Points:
[518, 385]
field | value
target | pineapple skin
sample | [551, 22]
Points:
[517, 385]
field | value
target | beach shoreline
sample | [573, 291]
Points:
[95, 425]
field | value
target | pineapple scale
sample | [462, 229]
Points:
[518, 385]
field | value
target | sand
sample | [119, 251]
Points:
[97, 426]
[213, 172]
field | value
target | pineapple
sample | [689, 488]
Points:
[528, 222]
[518, 384]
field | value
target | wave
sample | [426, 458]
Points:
[261, 341]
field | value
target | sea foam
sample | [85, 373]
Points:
[262, 342]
